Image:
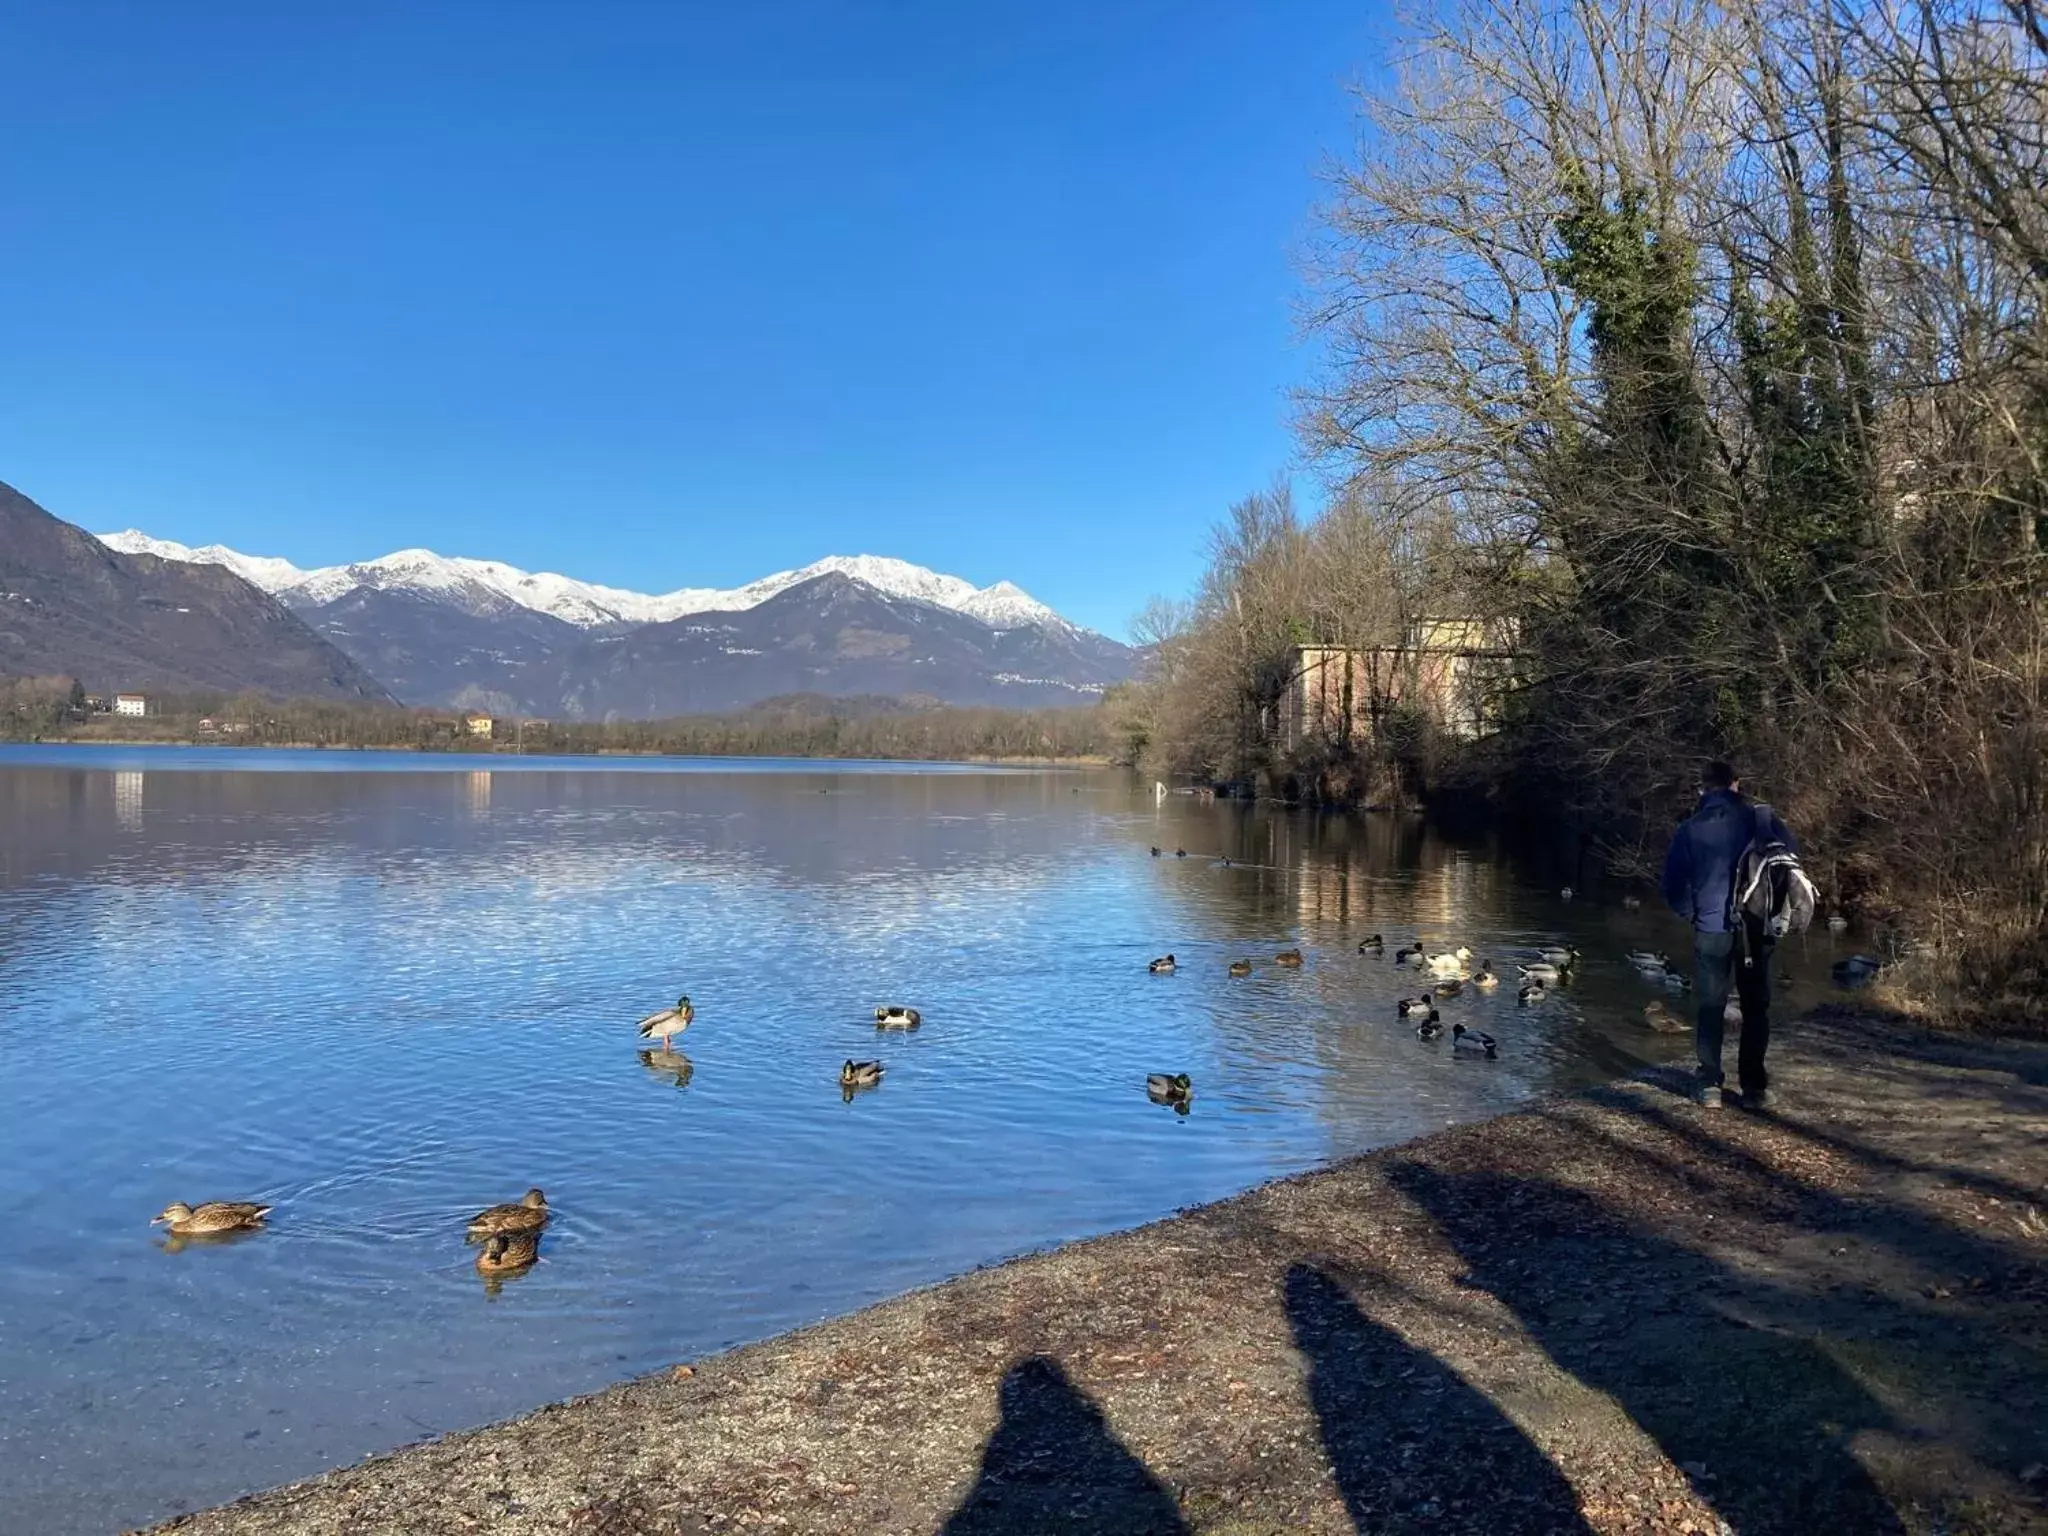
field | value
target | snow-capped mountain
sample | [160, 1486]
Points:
[480, 586]
[481, 634]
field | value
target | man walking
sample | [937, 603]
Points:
[1699, 882]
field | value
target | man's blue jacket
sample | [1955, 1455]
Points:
[1699, 869]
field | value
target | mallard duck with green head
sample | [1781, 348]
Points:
[670, 1022]
[1175, 1088]
[860, 1074]
[894, 1017]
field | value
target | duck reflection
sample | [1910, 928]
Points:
[178, 1242]
[670, 1066]
[507, 1256]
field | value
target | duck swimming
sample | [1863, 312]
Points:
[860, 1074]
[1564, 956]
[1451, 962]
[508, 1253]
[1421, 1004]
[1430, 1027]
[1648, 959]
[529, 1213]
[1163, 966]
[1631, 903]
[1473, 1042]
[1240, 967]
[1663, 1020]
[1173, 1088]
[1373, 945]
[1531, 995]
[209, 1216]
[1448, 986]
[1180, 853]
[1542, 971]
[1837, 923]
[670, 1022]
[1484, 976]
[1291, 957]
[892, 1017]
[1155, 851]
[1406, 954]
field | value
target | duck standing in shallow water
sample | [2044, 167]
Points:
[211, 1216]
[529, 1213]
[670, 1022]
[892, 1017]
[1163, 966]
[1473, 1042]
[1430, 1028]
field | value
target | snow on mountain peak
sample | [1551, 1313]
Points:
[482, 586]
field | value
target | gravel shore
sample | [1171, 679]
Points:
[1614, 1312]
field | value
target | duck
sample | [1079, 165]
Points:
[1660, 1018]
[529, 1213]
[1473, 1042]
[1566, 894]
[1855, 970]
[1240, 967]
[1372, 946]
[508, 1253]
[1180, 853]
[1225, 861]
[1542, 971]
[1837, 923]
[670, 1022]
[1169, 1088]
[1449, 986]
[208, 1216]
[1430, 1028]
[1648, 959]
[1631, 903]
[1485, 976]
[860, 1074]
[1155, 851]
[894, 1017]
[1289, 957]
[1560, 955]
[673, 1066]
[1531, 995]
[1163, 966]
[1450, 962]
[1422, 1004]
[1676, 980]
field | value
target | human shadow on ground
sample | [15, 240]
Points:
[1054, 1464]
[1412, 1445]
[1759, 1417]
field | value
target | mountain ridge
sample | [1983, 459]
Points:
[482, 585]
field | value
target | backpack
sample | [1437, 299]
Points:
[1771, 886]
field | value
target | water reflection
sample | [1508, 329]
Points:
[376, 998]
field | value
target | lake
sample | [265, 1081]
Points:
[382, 990]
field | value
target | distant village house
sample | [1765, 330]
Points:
[1453, 671]
[480, 725]
[131, 704]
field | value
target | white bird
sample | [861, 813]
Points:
[1450, 964]
[670, 1022]
[1566, 893]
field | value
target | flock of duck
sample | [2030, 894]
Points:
[508, 1235]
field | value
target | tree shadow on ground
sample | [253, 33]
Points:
[1412, 1445]
[1759, 1417]
[1054, 1464]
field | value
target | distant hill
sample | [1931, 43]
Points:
[480, 634]
[70, 605]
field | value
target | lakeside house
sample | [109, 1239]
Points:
[132, 704]
[480, 725]
[1452, 670]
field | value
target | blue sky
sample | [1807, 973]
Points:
[656, 294]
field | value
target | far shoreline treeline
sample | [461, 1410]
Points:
[56, 709]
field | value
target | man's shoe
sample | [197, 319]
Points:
[1707, 1097]
[1756, 1098]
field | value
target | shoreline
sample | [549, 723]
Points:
[493, 752]
[1608, 1312]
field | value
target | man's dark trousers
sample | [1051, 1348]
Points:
[1718, 956]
